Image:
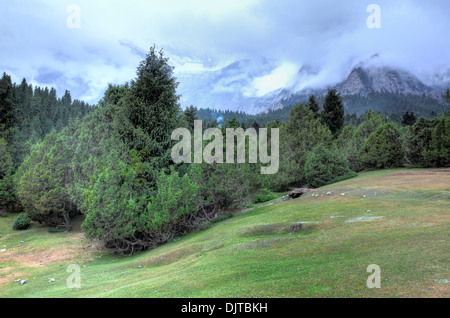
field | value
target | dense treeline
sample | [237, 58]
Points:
[27, 115]
[114, 165]
[387, 103]
[391, 105]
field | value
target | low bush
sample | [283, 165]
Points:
[324, 166]
[263, 196]
[22, 222]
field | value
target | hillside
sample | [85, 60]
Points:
[397, 219]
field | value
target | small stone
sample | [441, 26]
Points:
[140, 266]
[368, 211]
[444, 281]
[342, 193]
[364, 196]
[316, 195]
[328, 193]
[3, 250]
[22, 282]
[51, 280]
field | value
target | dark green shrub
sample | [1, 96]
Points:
[22, 222]
[42, 181]
[383, 148]
[127, 217]
[324, 166]
[417, 141]
[439, 153]
[298, 137]
[263, 196]
[7, 191]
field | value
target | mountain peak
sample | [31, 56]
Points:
[362, 81]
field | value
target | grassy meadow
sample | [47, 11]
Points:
[398, 219]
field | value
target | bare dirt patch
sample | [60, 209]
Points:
[78, 248]
[35, 258]
[7, 278]
[429, 180]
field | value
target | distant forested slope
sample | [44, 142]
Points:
[28, 114]
[393, 105]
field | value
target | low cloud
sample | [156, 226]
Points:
[202, 37]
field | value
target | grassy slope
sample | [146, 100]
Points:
[253, 255]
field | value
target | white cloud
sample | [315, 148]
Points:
[282, 76]
[201, 36]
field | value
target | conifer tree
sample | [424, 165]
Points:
[313, 105]
[190, 114]
[383, 148]
[148, 114]
[297, 137]
[408, 119]
[7, 195]
[6, 105]
[438, 154]
[333, 112]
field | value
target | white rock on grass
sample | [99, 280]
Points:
[328, 193]
[445, 280]
[22, 282]
[51, 280]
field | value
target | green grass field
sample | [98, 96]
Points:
[406, 233]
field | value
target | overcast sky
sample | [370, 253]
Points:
[38, 43]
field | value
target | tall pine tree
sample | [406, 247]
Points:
[190, 114]
[333, 112]
[313, 105]
[148, 114]
[6, 105]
